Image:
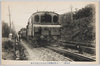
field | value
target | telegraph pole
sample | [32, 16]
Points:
[10, 34]
[71, 14]
[9, 18]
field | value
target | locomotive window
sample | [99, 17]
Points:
[46, 18]
[36, 18]
[55, 19]
[42, 18]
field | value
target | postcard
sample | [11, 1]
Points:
[49, 32]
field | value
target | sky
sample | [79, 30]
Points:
[22, 10]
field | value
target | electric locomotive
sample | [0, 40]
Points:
[43, 25]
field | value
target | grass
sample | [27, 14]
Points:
[7, 49]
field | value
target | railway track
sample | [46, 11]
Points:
[79, 43]
[83, 47]
[73, 56]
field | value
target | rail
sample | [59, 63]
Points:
[74, 56]
[88, 44]
[82, 47]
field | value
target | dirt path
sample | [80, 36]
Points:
[42, 54]
[30, 55]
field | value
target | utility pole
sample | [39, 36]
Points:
[9, 18]
[71, 14]
[12, 26]
[10, 34]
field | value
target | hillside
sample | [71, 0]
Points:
[82, 28]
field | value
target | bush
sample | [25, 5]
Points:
[7, 45]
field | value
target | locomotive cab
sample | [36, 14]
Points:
[45, 18]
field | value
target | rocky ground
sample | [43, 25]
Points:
[42, 54]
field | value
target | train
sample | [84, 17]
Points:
[22, 33]
[42, 26]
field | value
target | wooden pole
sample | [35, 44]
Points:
[71, 14]
[9, 18]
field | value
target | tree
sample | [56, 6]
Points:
[82, 29]
[5, 29]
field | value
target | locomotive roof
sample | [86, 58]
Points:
[43, 12]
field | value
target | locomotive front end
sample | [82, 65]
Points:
[46, 24]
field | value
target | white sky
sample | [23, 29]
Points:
[22, 10]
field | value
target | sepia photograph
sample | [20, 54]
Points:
[49, 32]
